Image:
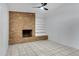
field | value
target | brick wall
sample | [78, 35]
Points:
[19, 21]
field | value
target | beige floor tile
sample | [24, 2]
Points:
[41, 48]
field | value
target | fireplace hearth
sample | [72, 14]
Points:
[27, 33]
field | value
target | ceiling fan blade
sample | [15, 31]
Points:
[45, 9]
[44, 4]
[37, 7]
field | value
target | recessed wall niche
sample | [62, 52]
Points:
[27, 33]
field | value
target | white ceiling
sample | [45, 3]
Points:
[28, 7]
[22, 4]
[25, 7]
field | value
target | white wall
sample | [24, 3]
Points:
[3, 29]
[63, 25]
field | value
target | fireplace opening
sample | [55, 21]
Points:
[27, 33]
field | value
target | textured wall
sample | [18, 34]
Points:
[40, 27]
[18, 22]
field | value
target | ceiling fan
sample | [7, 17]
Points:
[42, 6]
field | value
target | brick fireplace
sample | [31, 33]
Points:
[21, 27]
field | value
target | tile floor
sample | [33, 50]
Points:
[41, 48]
